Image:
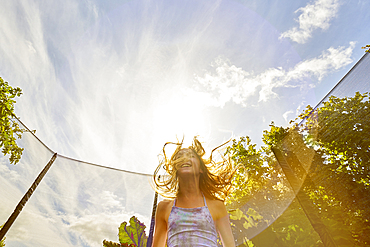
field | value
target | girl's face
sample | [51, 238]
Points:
[189, 162]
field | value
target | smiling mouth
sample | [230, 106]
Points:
[185, 165]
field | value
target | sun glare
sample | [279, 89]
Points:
[179, 116]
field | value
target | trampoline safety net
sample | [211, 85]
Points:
[310, 186]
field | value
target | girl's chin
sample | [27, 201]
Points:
[187, 172]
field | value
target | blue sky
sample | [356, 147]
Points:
[109, 82]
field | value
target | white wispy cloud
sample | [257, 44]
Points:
[50, 230]
[94, 228]
[68, 208]
[226, 82]
[286, 114]
[10, 174]
[102, 218]
[90, 208]
[330, 60]
[313, 16]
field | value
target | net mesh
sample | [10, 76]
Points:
[325, 162]
[315, 181]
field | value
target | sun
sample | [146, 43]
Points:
[179, 115]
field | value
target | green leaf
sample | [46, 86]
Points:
[133, 233]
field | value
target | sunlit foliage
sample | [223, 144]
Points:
[10, 129]
[328, 151]
[367, 47]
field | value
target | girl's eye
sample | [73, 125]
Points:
[179, 156]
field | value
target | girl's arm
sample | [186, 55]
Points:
[224, 227]
[160, 229]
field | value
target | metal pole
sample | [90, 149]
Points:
[150, 238]
[303, 199]
[25, 198]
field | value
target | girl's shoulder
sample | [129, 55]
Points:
[215, 203]
[217, 208]
[164, 208]
[165, 203]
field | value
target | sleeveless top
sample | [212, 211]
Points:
[191, 227]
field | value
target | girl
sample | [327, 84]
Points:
[198, 187]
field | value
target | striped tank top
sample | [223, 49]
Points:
[191, 227]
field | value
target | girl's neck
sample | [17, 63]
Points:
[189, 194]
[189, 199]
[189, 187]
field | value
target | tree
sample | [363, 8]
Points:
[10, 129]
[263, 187]
[327, 152]
[338, 131]
[266, 186]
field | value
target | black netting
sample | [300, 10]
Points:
[326, 162]
[76, 204]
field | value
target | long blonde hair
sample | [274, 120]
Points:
[215, 180]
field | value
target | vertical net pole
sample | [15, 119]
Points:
[25, 198]
[152, 222]
[303, 200]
